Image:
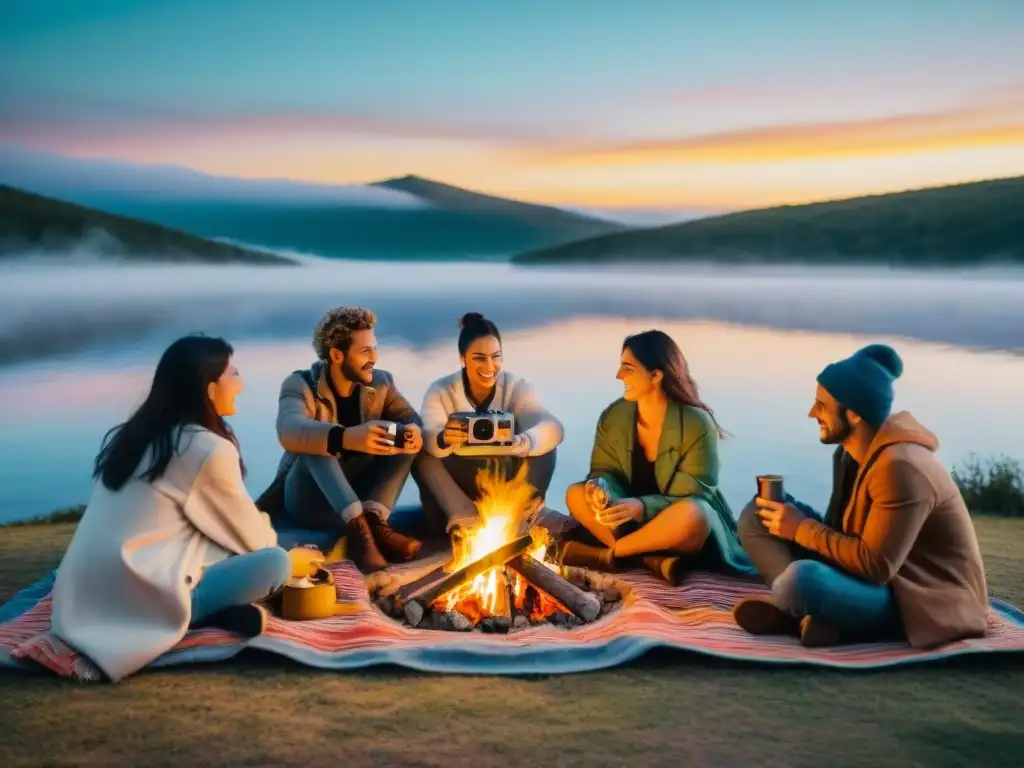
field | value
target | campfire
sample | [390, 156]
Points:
[500, 578]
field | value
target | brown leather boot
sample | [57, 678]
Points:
[585, 556]
[760, 616]
[668, 567]
[396, 547]
[361, 546]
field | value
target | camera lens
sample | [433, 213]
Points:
[483, 429]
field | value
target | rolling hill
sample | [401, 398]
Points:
[439, 222]
[402, 218]
[33, 223]
[540, 217]
[964, 224]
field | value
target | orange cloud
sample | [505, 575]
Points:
[967, 128]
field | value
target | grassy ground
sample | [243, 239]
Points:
[668, 709]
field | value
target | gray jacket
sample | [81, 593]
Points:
[306, 412]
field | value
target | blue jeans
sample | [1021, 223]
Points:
[858, 609]
[239, 580]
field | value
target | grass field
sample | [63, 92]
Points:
[668, 709]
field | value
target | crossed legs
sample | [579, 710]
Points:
[682, 527]
[810, 597]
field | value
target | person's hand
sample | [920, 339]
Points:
[621, 512]
[369, 437]
[455, 433]
[779, 518]
[413, 435]
[521, 445]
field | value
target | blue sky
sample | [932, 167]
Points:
[575, 102]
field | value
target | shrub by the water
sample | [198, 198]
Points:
[992, 487]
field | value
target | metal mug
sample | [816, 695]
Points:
[770, 487]
[402, 435]
[398, 435]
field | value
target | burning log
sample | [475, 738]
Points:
[510, 590]
[497, 616]
[414, 598]
[586, 605]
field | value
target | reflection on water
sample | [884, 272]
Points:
[43, 312]
[760, 383]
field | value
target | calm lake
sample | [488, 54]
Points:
[755, 341]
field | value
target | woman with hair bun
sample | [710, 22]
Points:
[482, 385]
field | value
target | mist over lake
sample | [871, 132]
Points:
[87, 303]
[79, 340]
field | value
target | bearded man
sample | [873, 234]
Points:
[343, 467]
[895, 555]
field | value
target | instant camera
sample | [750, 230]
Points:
[492, 429]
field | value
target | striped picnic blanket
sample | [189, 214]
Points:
[694, 616]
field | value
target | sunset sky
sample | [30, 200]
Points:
[645, 104]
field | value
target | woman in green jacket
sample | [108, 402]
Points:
[656, 453]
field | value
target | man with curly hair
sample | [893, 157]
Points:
[342, 469]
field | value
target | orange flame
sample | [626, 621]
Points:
[505, 507]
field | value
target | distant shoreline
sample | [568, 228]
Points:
[115, 309]
[1001, 269]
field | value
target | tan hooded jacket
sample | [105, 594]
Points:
[906, 524]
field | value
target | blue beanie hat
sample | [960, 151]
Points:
[863, 382]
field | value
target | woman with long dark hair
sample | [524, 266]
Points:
[652, 490]
[170, 537]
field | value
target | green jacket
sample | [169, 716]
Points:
[686, 466]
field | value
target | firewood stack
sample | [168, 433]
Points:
[548, 598]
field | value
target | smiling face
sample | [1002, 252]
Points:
[482, 362]
[637, 380]
[224, 390]
[358, 362]
[833, 422]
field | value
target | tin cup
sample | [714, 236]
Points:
[392, 437]
[770, 487]
[402, 435]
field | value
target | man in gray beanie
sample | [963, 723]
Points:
[895, 555]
